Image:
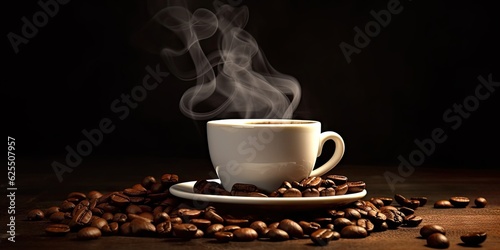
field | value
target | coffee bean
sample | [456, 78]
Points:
[421, 199]
[292, 228]
[169, 179]
[77, 195]
[141, 227]
[386, 200]
[340, 223]
[480, 202]
[443, 204]
[199, 234]
[259, 227]
[327, 192]
[323, 236]
[341, 189]
[459, 201]
[412, 220]
[80, 205]
[438, 240]
[57, 217]
[245, 234]
[355, 186]
[67, 206]
[366, 224]
[51, 210]
[164, 228]
[353, 231]
[406, 210]
[276, 234]
[161, 217]
[119, 199]
[394, 216]
[352, 214]
[292, 192]
[202, 224]
[323, 221]
[99, 223]
[309, 227]
[213, 217]
[223, 236]
[139, 187]
[88, 233]
[148, 182]
[82, 218]
[35, 214]
[133, 209]
[125, 229]
[212, 229]
[94, 194]
[328, 183]
[134, 192]
[310, 192]
[120, 218]
[400, 199]
[473, 239]
[230, 228]
[57, 229]
[376, 217]
[311, 182]
[184, 230]
[381, 227]
[244, 188]
[338, 179]
[427, 230]
[377, 202]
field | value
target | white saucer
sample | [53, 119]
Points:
[185, 190]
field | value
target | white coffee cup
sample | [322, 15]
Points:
[266, 152]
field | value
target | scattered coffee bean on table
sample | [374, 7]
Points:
[459, 201]
[443, 204]
[438, 240]
[473, 239]
[480, 202]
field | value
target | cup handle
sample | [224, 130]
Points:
[337, 155]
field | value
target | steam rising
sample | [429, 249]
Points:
[234, 78]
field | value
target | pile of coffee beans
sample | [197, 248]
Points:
[309, 187]
[147, 209]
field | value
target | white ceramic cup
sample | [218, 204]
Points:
[266, 152]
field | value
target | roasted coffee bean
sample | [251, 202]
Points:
[35, 214]
[309, 227]
[99, 223]
[337, 214]
[120, 218]
[97, 211]
[377, 202]
[275, 234]
[322, 236]
[223, 236]
[421, 199]
[107, 216]
[119, 199]
[406, 210]
[376, 217]
[161, 217]
[473, 239]
[213, 217]
[245, 234]
[443, 204]
[176, 220]
[51, 210]
[80, 205]
[328, 183]
[310, 192]
[292, 228]
[386, 200]
[230, 228]
[381, 227]
[323, 221]
[286, 185]
[355, 186]
[148, 182]
[353, 231]
[366, 224]
[292, 192]
[438, 240]
[297, 185]
[184, 230]
[94, 194]
[246, 188]
[427, 230]
[340, 223]
[148, 215]
[164, 228]
[400, 199]
[169, 179]
[212, 229]
[202, 224]
[480, 202]
[394, 216]
[133, 209]
[142, 227]
[412, 220]
[259, 227]
[189, 214]
[157, 187]
[327, 192]
[139, 187]
[352, 214]
[88, 233]
[57, 217]
[311, 182]
[57, 229]
[459, 202]
[77, 195]
[341, 189]
[82, 218]
[131, 217]
[338, 179]
[134, 192]
[67, 206]
[125, 229]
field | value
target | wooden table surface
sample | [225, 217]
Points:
[39, 188]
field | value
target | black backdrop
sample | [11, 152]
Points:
[395, 91]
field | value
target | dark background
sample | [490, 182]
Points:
[395, 91]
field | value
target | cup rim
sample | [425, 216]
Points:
[255, 122]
